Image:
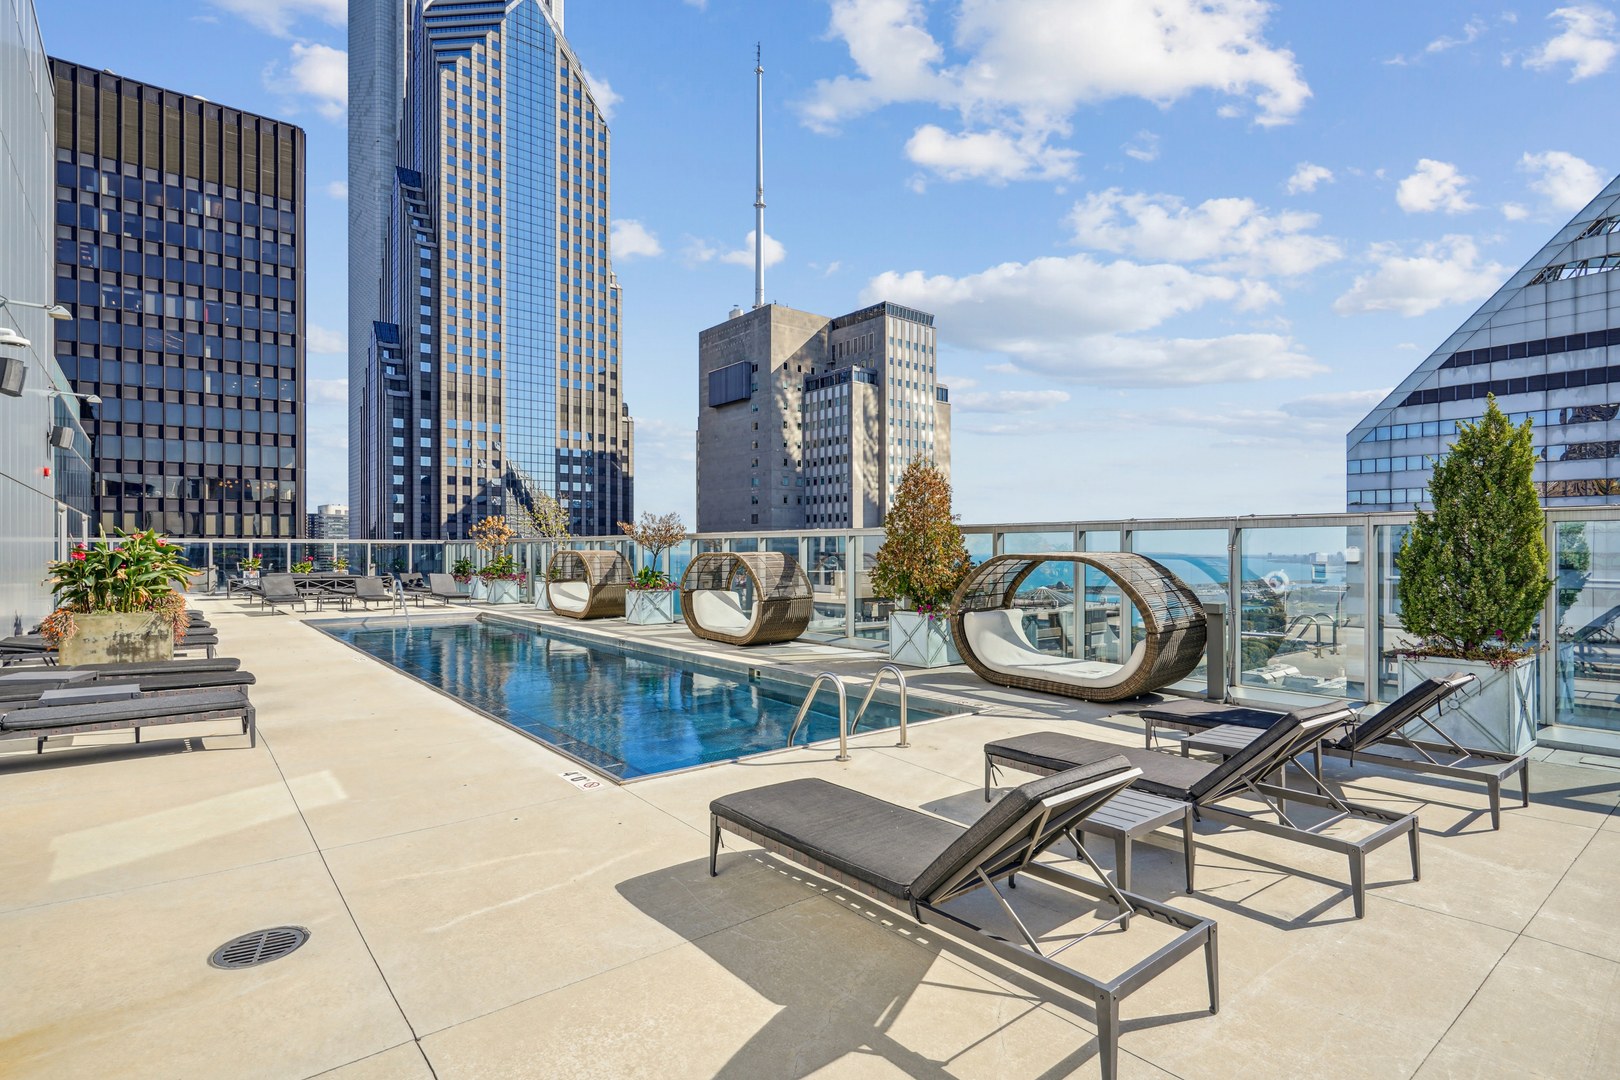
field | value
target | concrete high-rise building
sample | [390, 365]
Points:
[44, 454]
[1547, 345]
[180, 251]
[329, 521]
[493, 369]
[806, 422]
[376, 96]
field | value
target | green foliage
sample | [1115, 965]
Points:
[503, 567]
[1474, 572]
[650, 578]
[922, 558]
[138, 574]
[307, 566]
[251, 563]
[462, 570]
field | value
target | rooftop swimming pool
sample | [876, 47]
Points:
[627, 716]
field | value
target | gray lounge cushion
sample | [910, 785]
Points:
[1200, 713]
[1053, 751]
[160, 667]
[969, 848]
[871, 840]
[1243, 763]
[1401, 711]
[133, 711]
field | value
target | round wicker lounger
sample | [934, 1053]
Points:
[587, 584]
[782, 597]
[989, 631]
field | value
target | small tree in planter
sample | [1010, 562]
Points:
[499, 575]
[651, 596]
[920, 564]
[1473, 577]
[549, 520]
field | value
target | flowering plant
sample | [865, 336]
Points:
[340, 564]
[305, 567]
[462, 570]
[251, 563]
[649, 578]
[138, 574]
[502, 567]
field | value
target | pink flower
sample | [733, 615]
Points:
[78, 555]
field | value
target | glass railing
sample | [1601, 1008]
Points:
[1311, 600]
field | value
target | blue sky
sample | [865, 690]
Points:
[1175, 250]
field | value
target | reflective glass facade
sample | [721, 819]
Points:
[180, 250]
[498, 287]
[1547, 346]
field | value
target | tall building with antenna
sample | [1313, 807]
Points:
[805, 421]
[492, 369]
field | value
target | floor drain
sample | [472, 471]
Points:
[259, 947]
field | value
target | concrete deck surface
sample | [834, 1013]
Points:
[474, 914]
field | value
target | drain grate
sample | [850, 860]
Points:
[259, 947]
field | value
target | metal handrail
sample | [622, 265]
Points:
[843, 712]
[899, 677]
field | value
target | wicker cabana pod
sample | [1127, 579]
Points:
[782, 597]
[989, 630]
[587, 584]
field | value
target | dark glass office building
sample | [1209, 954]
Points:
[180, 250]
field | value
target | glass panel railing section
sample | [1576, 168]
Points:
[1587, 557]
[871, 622]
[826, 565]
[743, 543]
[980, 546]
[784, 545]
[1390, 633]
[1196, 556]
[390, 559]
[1301, 623]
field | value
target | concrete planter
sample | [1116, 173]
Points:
[645, 607]
[504, 592]
[1496, 713]
[920, 641]
[118, 638]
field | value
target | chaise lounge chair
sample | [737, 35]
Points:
[1379, 739]
[278, 589]
[917, 863]
[132, 711]
[371, 590]
[1207, 786]
[443, 588]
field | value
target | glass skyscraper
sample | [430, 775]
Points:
[180, 251]
[493, 370]
[1547, 346]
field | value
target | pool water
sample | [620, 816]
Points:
[625, 716]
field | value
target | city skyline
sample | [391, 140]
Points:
[1201, 266]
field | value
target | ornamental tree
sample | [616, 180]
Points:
[655, 534]
[922, 558]
[548, 518]
[1474, 571]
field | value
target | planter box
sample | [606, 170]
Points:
[478, 588]
[920, 641]
[1496, 713]
[645, 607]
[118, 638]
[504, 592]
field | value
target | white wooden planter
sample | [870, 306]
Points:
[920, 641]
[1496, 713]
[478, 588]
[505, 592]
[647, 606]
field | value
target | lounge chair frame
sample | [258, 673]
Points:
[1173, 622]
[604, 574]
[1014, 852]
[209, 705]
[1261, 779]
[783, 600]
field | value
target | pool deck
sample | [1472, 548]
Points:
[476, 914]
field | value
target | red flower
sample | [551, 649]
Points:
[78, 554]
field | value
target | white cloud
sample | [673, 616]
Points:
[338, 189]
[1308, 421]
[995, 156]
[602, 93]
[1567, 181]
[1307, 176]
[277, 16]
[1007, 401]
[1021, 68]
[1334, 404]
[1445, 272]
[1145, 147]
[1471, 32]
[1587, 42]
[1514, 211]
[329, 392]
[1436, 185]
[1065, 317]
[315, 71]
[321, 339]
[631, 238]
[744, 256]
[1233, 235]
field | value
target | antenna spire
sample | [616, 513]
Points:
[759, 179]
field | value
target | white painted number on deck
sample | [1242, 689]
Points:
[583, 781]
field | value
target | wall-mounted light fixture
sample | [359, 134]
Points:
[12, 373]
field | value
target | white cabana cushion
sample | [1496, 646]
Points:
[997, 639]
[721, 611]
[570, 595]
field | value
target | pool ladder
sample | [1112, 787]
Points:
[846, 729]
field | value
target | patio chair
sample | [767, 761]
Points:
[1253, 770]
[278, 589]
[587, 584]
[782, 597]
[918, 864]
[444, 588]
[135, 711]
[371, 590]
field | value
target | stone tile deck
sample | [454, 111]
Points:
[476, 915]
